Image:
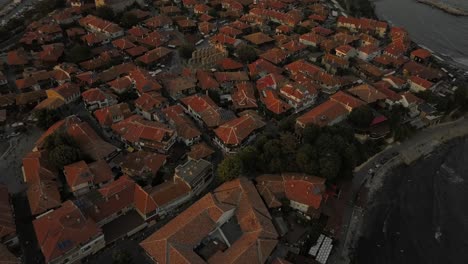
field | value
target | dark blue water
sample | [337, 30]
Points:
[433, 28]
[420, 215]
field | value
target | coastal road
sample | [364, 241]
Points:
[361, 175]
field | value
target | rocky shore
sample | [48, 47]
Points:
[444, 7]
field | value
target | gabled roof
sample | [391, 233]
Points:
[143, 161]
[234, 132]
[323, 115]
[108, 115]
[258, 38]
[367, 93]
[64, 229]
[79, 172]
[204, 106]
[185, 127]
[421, 82]
[298, 187]
[228, 64]
[135, 129]
[43, 195]
[180, 236]
[273, 103]
[200, 151]
[243, 96]
[346, 100]
[86, 138]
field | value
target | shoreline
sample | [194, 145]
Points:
[444, 7]
[412, 152]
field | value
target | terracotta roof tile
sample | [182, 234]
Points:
[178, 238]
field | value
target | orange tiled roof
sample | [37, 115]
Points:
[135, 129]
[323, 114]
[177, 239]
[205, 107]
[237, 130]
[346, 100]
[301, 188]
[243, 96]
[64, 229]
[367, 93]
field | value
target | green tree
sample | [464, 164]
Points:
[79, 53]
[105, 12]
[213, 12]
[58, 139]
[129, 20]
[185, 51]
[361, 117]
[330, 165]
[249, 157]
[287, 124]
[63, 155]
[230, 168]
[301, 30]
[306, 159]
[310, 133]
[246, 53]
[46, 118]
[122, 257]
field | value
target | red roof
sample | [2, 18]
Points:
[346, 100]
[367, 93]
[301, 188]
[237, 130]
[185, 127]
[135, 129]
[86, 138]
[206, 81]
[324, 114]
[273, 103]
[140, 162]
[143, 81]
[93, 95]
[80, 172]
[229, 64]
[107, 116]
[421, 82]
[204, 106]
[421, 53]
[243, 96]
[64, 229]
[150, 101]
[176, 240]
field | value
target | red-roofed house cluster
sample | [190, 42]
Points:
[151, 106]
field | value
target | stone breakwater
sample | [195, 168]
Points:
[445, 7]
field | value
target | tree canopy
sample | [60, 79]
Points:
[246, 53]
[129, 20]
[78, 53]
[46, 118]
[361, 117]
[185, 51]
[230, 168]
[105, 12]
[329, 152]
[122, 257]
[62, 150]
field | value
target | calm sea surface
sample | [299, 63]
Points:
[443, 33]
